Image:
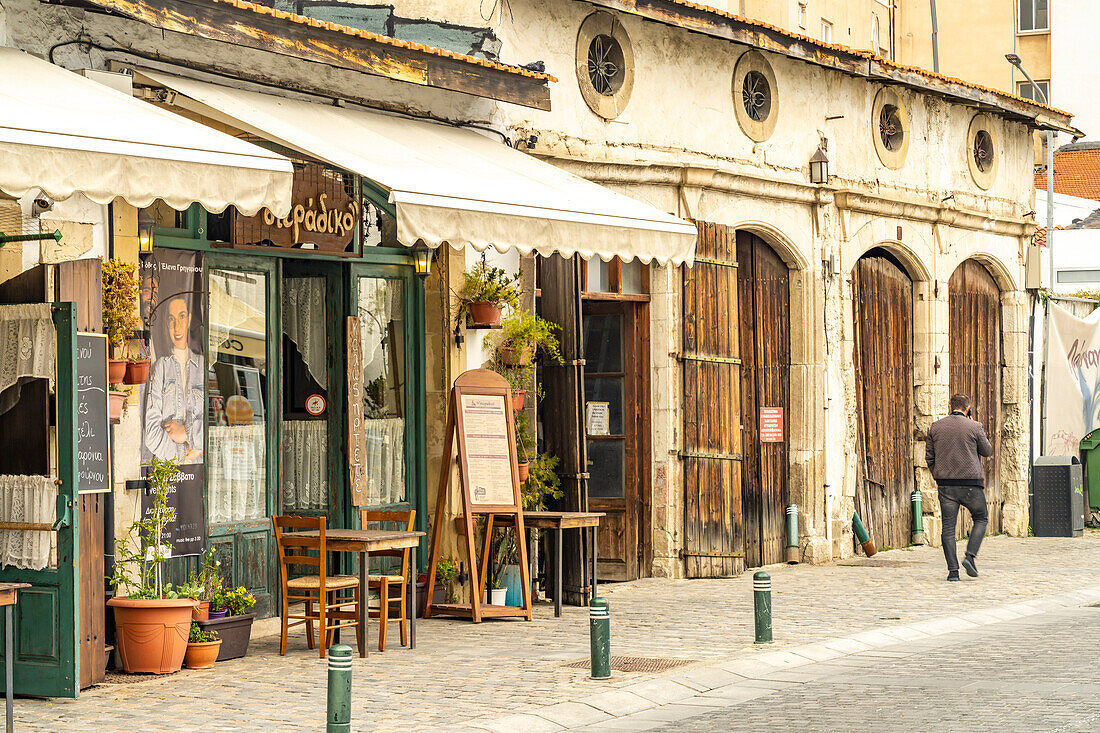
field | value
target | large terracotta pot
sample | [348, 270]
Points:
[485, 314]
[203, 655]
[116, 371]
[512, 356]
[151, 634]
[518, 396]
[137, 372]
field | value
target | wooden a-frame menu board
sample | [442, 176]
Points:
[479, 416]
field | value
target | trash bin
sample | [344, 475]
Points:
[1057, 497]
[1090, 457]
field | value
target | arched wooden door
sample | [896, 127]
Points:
[763, 289]
[974, 335]
[883, 295]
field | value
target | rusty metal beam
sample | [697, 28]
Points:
[239, 26]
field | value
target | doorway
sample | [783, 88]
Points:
[883, 299]
[764, 305]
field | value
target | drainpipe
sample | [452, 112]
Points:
[935, 39]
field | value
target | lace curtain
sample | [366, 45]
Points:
[235, 472]
[305, 464]
[385, 460]
[28, 348]
[28, 499]
[304, 322]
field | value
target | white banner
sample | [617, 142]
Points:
[1073, 380]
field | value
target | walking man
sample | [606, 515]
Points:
[952, 450]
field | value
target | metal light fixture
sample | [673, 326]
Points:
[422, 258]
[819, 167]
[146, 225]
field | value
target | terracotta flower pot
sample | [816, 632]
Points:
[115, 401]
[116, 371]
[485, 314]
[151, 634]
[137, 372]
[201, 612]
[518, 396]
[524, 470]
[512, 356]
[202, 655]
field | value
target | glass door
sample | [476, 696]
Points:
[242, 412]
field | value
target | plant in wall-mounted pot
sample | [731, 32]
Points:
[522, 333]
[116, 402]
[485, 291]
[152, 622]
[525, 445]
[521, 380]
[120, 302]
[202, 648]
[137, 370]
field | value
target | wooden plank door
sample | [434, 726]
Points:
[883, 296]
[974, 333]
[711, 456]
[764, 306]
[611, 383]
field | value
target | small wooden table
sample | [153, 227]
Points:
[8, 592]
[365, 541]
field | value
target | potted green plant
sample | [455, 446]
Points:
[230, 617]
[120, 300]
[202, 648]
[522, 333]
[152, 621]
[501, 554]
[525, 445]
[542, 483]
[521, 380]
[485, 291]
[202, 585]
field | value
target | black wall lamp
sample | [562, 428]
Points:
[422, 258]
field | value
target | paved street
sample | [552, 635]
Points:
[512, 675]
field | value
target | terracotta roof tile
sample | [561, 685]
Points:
[387, 40]
[1076, 173]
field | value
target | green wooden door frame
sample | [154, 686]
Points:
[47, 615]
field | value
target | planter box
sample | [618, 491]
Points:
[439, 595]
[234, 631]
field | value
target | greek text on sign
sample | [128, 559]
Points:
[597, 418]
[771, 424]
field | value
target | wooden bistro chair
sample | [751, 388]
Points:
[328, 592]
[384, 583]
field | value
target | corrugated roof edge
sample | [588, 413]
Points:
[862, 54]
[388, 40]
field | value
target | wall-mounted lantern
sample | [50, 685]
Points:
[146, 225]
[422, 258]
[819, 167]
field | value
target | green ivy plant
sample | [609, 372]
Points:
[140, 557]
[120, 300]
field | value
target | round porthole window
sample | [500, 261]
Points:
[605, 65]
[982, 154]
[754, 96]
[890, 122]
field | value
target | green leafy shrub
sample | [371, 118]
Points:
[120, 299]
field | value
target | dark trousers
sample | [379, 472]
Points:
[973, 498]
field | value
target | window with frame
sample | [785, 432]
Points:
[826, 31]
[1033, 15]
[802, 16]
[1028, 91]
[876, 34]
[615, 276]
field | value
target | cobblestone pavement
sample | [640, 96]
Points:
[1034, 674]
[475, 676]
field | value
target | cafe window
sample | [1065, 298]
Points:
[615, 276]
[381, 311]
[237, 412]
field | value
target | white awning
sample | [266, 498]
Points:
[63, 133]
[451, 184]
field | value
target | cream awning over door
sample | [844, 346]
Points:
[63, 134]
[451, 184]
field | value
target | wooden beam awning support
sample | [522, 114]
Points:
[265, 29]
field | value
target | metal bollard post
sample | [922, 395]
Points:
[599, 628]
[339, 689]
[862, 537]
[792, 534]
[918, 519]
[762, 603]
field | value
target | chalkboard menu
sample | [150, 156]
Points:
[93, 454]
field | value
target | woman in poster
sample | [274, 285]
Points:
[174, 395]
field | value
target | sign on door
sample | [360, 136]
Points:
[771, 424]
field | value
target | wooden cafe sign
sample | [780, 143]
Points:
[323, 216]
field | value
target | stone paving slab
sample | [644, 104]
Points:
[467, 675]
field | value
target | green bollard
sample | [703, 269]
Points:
[918, 518]
[762, 602]
[339, 689]
[792, 534]
[599, 629]
[862, 537]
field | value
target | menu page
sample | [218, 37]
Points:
[488, 452]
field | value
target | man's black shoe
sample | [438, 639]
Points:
[970, 567]
[953, 575]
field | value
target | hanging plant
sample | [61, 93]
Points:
[522, 334]
[484, 293]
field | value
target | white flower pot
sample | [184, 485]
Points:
[496, 596]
